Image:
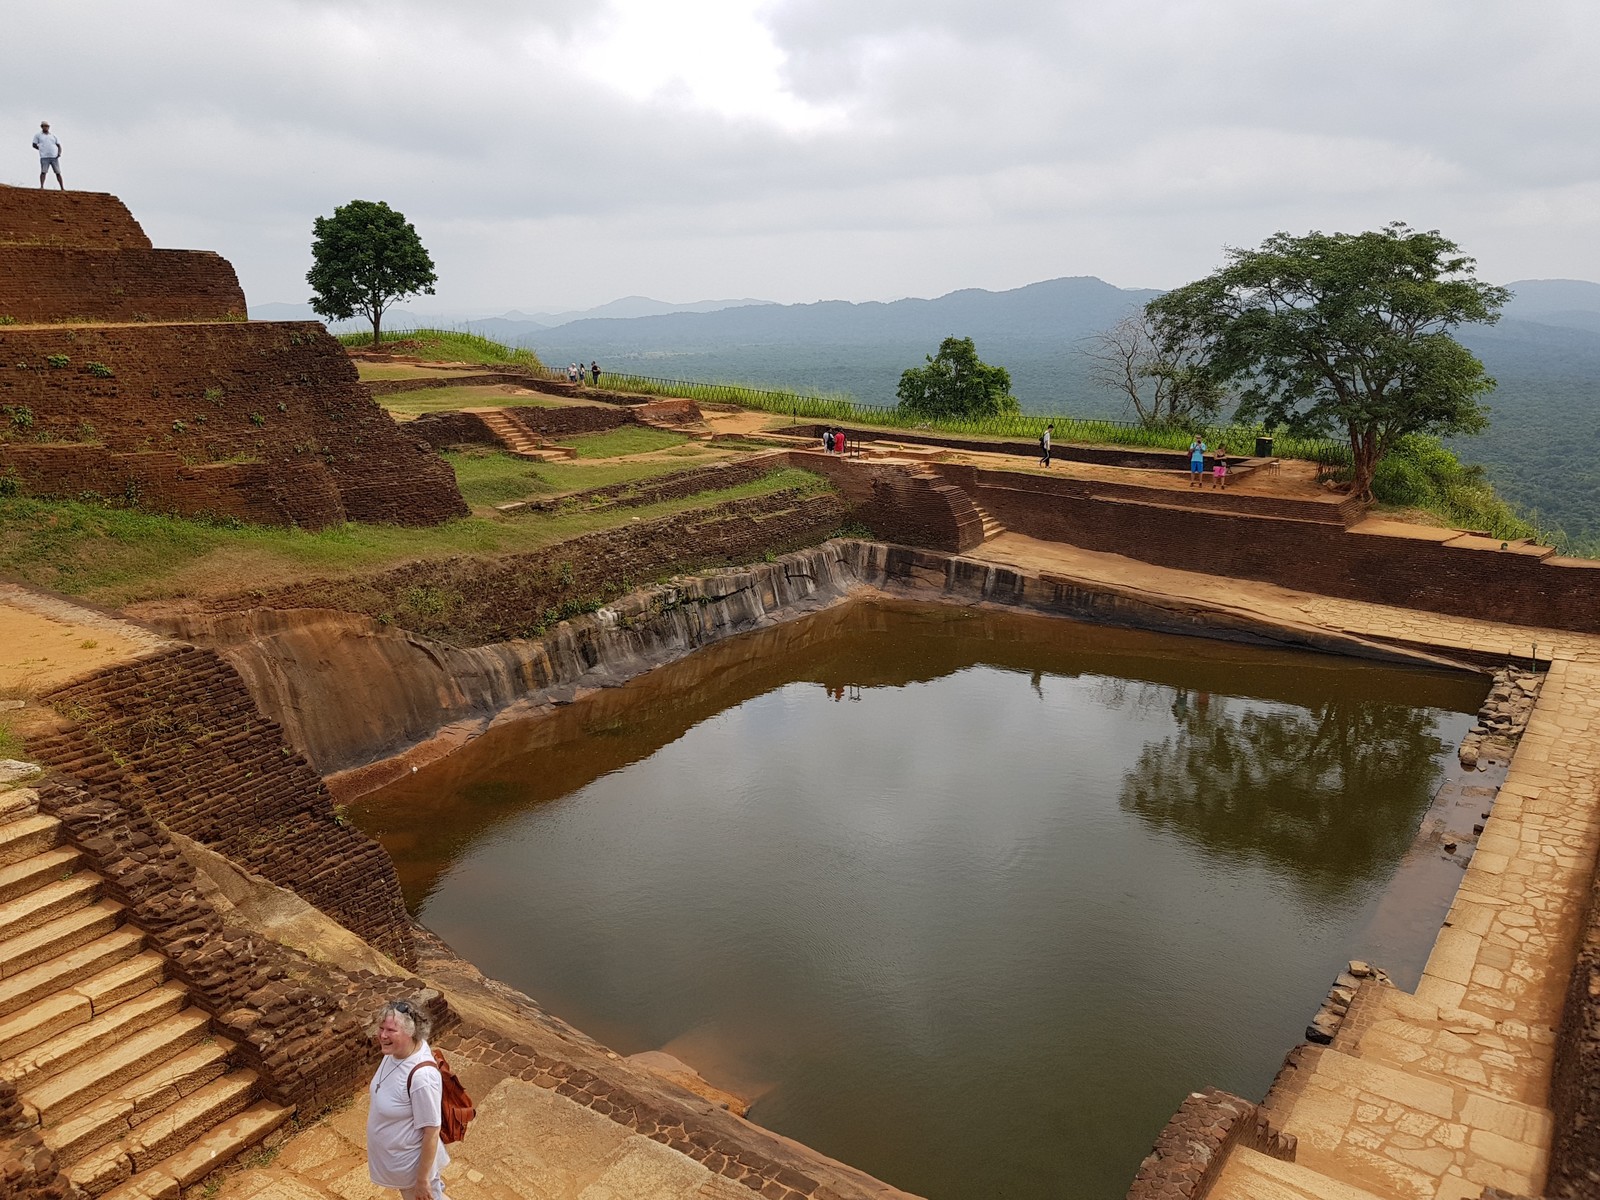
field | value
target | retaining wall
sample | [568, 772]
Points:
[1194, 1145]
[179, 735]
[281, 394]
[1575, 1075]
[1426, 569]
[908, 505]
[70, 284]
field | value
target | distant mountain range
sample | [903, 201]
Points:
[403, 318]
[1542, 448]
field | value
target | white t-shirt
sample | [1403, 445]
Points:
[47, 144]
[395, 1120]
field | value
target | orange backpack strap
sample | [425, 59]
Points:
[425, 1063]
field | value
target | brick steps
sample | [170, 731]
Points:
[57, 1095]
[55, 937]
[51, 898]
[66, 970]
[518, 441]
[221, 1145]
[22, 877]
[122, 1075]
[1251, 1175]
[26, 836]
[992, 528]
[121, 1108]
[78, 1042]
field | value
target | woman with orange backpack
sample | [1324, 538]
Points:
[417, 1105]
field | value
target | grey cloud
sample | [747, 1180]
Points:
[974, 145]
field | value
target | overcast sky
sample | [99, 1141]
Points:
[557, 154]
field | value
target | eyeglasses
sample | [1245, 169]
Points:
[401, 1006]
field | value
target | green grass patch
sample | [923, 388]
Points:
[450, 345]
[10, 740]
[623, 440]
[425, 400]
[117, 556]
[1421, 474]
[494, 477]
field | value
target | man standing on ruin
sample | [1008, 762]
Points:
[49, 147]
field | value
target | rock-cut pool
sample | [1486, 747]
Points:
[968, 899]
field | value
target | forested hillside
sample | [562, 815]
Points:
[1542, 448]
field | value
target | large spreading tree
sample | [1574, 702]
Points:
[955, 383]
[364, 258]
[1342, 330]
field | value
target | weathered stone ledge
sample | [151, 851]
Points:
[422, 699]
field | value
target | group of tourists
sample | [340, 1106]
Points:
[575, 372]
[1197, 464]
[834, 440]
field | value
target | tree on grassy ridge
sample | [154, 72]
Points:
[1351, 330]
[956, 383]
[364, 258]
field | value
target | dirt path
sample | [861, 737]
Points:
[49, 641]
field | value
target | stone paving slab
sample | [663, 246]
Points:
[526, 1143]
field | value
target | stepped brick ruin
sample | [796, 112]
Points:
[129, 373]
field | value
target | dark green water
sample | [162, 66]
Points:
[969, 900]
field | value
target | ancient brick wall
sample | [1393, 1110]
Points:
[282, 394]
[1310, 556]
[1111, 456]
[160, 481]
[1193, 1147]
[56, 283]
[388, 387]
[471, 602]
[1333, 510]
[181, 736]
[41, 217]
[29, 1169]
[906, 505]
[567, 422]
[639, 492]
[441, 429]
[1575, 1077]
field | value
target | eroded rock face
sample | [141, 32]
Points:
[348, 690]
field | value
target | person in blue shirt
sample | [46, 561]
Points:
[1197, 462]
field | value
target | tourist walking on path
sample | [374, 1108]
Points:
[594, 370]
[1044, 445]
[49, 147]
[1219, 473]
[1197, 462]
[403, 1122]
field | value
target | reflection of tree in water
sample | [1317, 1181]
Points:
[1329, 795]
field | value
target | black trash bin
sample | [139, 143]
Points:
[1264, 445]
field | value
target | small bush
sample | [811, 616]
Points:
[58, 360]
[100, 371]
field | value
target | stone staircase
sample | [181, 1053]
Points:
[124, 1077]
[992, 528]
[516, 440]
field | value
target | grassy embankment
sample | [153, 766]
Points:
[114, 555]
[1422, 481]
